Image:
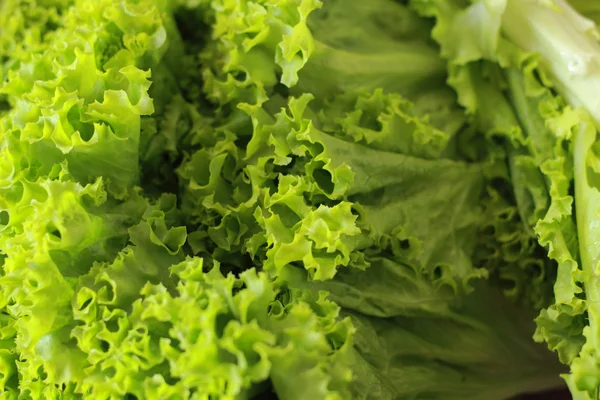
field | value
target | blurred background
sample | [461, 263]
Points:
[554, 395]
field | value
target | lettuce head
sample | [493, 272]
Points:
[299, 199]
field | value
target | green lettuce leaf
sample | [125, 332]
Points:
[285, 198]
[543, 47]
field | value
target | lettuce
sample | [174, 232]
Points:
[545, 48]
[297, 199]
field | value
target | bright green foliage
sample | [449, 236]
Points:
[543, 47]
[296, 199]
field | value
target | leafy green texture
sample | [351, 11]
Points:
[544, 48]
[293, 199]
